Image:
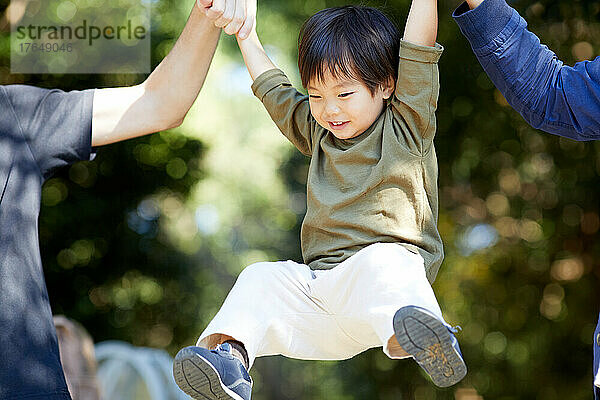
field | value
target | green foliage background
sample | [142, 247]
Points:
[143, 243]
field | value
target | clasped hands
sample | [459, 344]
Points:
[236, 17]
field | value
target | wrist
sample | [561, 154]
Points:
[474, 3]
[202, 20]
[484, 23]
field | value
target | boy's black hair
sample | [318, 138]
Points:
[352, 42]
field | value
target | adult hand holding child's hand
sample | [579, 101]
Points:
[236, 17]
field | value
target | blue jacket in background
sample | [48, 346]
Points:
[553, 97]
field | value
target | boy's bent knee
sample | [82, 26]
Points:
[263, 273]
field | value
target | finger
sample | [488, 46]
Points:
[227, 15]
[246, 29]
[248, 25]
[239, 17]
[216, 10]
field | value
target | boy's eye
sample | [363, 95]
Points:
[345, 94]
[314, 96]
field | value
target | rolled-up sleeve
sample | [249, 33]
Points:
[416, 95]
[288, 108]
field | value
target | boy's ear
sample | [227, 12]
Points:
[388, 88]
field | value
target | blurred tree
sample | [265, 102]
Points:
[143, 243]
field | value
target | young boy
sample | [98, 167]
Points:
[369, 238]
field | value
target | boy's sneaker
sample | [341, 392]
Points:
[211, 374]
[431, 343]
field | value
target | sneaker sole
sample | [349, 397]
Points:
[199, 379]
[426, 339]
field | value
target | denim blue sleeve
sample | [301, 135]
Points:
[558, 99]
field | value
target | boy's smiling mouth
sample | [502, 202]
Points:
[338, 125]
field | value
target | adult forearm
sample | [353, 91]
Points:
[555, 98]
[177, 80]
[164, 98]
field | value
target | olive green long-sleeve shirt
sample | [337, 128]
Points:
[380, 186]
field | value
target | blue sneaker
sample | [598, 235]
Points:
[211, 374]
[431, 343]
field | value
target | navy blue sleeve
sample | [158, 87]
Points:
[596, 341]
[558, 99]
[57, 125]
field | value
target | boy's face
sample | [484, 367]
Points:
[345, 106]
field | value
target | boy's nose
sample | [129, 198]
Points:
[331, 109]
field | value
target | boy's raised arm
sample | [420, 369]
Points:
[256, 59]
[474, 3]
[287, 107]
[417, 88]
[422, 23]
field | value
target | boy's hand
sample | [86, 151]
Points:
[234, 16]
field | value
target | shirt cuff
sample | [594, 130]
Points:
[88, 109]
[484, 23]
[425, 54]
[597, 380]
[268, 81]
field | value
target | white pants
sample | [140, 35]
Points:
[286, 308]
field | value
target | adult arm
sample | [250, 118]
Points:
[164, 98]
[596, 341]
[558, 99]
